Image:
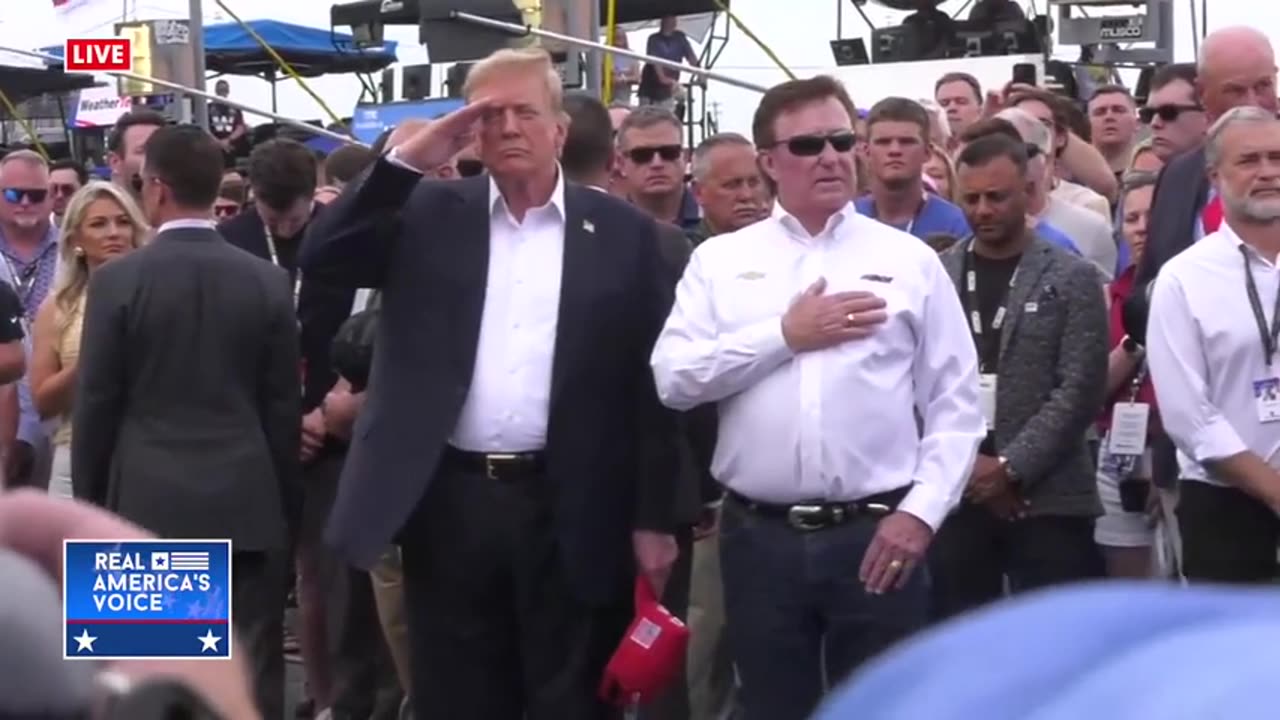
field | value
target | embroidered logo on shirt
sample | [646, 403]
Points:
[750, 275]
[589, 226]
[878, 278]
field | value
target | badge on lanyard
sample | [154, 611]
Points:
[1266, 391]
[1129, 421]
[987, 384]
[1266, 398]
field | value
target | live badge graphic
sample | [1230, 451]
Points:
[157, 599]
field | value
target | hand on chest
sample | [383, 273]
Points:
[750, 293]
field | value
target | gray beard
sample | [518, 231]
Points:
[1253, 211]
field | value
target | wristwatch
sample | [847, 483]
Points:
[1008, 469]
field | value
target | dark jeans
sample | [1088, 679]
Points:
[1227, 535]
[796, 616]
[495, 633]
[258, 595]
[975, 552]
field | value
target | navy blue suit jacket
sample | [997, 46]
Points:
[611, 446]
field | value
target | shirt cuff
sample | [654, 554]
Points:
[925, 503]
[393, 157]
[1216, 441]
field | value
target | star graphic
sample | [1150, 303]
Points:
[209, 641]
[84, 641]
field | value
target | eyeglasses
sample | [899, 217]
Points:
[1167, 113]
[226, 211]
[62, 189]
[35, 195]
[811, 145]
[644, 155]
[470, 168]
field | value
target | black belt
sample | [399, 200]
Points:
[495, 466]
[819, 515]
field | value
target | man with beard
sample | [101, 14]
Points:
[1038, 321]
[1211, 309]
[652, 166]
[897, 149]
[727, 185]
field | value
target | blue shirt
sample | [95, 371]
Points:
[1147, 651]
[935, 216]
[1054, 236]
[31, 280]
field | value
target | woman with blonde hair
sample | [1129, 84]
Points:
[102, 222]
[941, 171]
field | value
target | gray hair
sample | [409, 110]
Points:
[647, 116]
[1033, 132]
[1247, 115]
[31, 157]
[702, 153]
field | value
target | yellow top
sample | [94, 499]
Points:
[68, 351]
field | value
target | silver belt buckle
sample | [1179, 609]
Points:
[494, 461]
[800, 517]
[877, 509]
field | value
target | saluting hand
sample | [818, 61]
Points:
[435, 143]
[816, 321]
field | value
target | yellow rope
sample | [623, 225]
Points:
[611, 23]
[26, 125]
[288, 69]
[752, 36]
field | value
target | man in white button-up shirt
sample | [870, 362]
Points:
[1211, 349]
[821, 334]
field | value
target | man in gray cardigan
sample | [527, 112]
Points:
[1039, 321]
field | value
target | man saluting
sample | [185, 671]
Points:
[512, 441]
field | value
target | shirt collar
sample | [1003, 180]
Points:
[795, 229]
[497, 203]
[187, 224]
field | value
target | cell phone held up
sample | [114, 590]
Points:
[1025, 74]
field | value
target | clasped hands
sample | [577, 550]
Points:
[991, 487]
[817, 320]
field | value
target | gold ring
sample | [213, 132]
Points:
[895, 565]
[851, 318]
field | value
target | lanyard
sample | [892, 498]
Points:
[1267, 335]
[986, 342]
[1136, 384]
[275, 260]
[25, 281]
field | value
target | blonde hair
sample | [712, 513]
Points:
[73, 277]
[530, 60]
[1145, 146]
[937, 152]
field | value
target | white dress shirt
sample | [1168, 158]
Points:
[187, 224]
[837, 424]
[1204, 352]
[506, 408]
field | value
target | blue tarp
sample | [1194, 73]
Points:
[231, 50]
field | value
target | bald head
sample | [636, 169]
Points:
[1237, 69]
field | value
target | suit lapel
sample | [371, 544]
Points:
[471, 259]
[580, 246]
[1029, 271]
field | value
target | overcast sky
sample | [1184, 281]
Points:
[797, 31]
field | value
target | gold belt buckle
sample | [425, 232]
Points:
[492, 463]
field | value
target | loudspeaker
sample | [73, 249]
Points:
[851, 51]
[455, 78]
[388, 90]
[416, 82]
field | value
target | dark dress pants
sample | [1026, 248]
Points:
[975, 552]
[259, 584]
[797, 618]
[494, 631]
[1227, 535]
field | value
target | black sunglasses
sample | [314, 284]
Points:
[63, 189]
[35, 195]
[811, 145]
[470, 168]
[226, 210]
[1167, 113]
[643, 155]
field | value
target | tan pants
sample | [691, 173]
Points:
[709, 666]
[388, 593]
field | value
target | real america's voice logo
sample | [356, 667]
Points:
[159, 599]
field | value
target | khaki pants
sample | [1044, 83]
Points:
[388, 594]
[710, 668]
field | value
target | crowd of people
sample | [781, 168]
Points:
[816, 389]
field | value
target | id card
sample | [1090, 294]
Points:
[987, 383]
[1129, 428]
[1266, 398]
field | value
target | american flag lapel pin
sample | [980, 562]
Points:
[589, 227]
